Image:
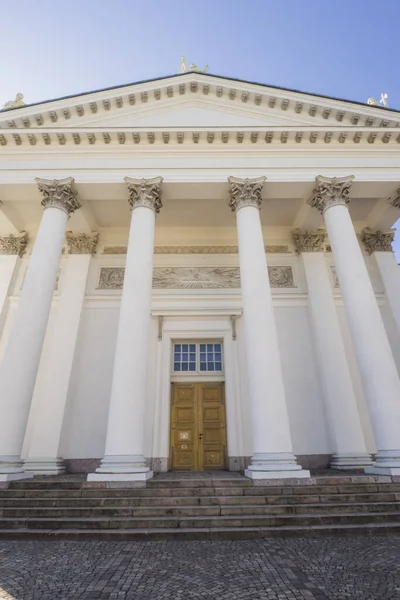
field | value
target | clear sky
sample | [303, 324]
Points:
[344, 48]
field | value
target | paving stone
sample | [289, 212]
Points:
[356, 568]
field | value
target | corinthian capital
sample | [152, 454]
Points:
[82, 243]
[330, 191]
[245, 192]
[145, 192]
[14, 244]
[377, 241]
[309, 241]
[395, 200]
[59, 193]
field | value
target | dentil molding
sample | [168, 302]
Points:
[59, 193]
[14, 244]
[112, 278]
[330, 191]
[377, 241]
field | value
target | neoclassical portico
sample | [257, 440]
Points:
[195, 274]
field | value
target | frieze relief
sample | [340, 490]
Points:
[281, 277]
[196, 277]
[112, 278]
[270, 249]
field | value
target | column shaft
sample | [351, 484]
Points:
[390, 273]
[341, 404]
[43, 453]
[124, 459]
[11, 247]
[21, 359]
[272, 446]
[8, 266]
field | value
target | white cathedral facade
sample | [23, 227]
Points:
[196, 273]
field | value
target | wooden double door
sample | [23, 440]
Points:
[198, 426]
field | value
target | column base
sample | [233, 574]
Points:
[122, 468]
[11, 469]
[350, 461]
[45, 466]
[387, 462]
[276, 465]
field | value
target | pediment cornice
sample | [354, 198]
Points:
[271, 116]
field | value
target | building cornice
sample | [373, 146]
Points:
[223, 137]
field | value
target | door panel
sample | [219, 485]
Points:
[212, 412]
[184, 434]
[198, 427]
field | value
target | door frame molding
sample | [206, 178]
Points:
[197, 328]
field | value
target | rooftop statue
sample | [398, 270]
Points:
[371, 101]
[15, 103]
[184, 67]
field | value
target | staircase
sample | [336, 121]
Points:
[188, 508]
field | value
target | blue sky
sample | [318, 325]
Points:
[344, 48]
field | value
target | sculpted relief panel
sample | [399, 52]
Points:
[196, 277]
[272, 249]
[112, 278]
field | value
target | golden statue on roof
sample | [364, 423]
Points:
[372, 102]
[15, 103]
[185, 68]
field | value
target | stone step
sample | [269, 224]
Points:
[45, 484]
[215, 533]
[100, 501]
[199, 483]
[51, 483]
[94, 492]
[196, 510]
[196, 522]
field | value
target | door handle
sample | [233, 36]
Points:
[200, 436]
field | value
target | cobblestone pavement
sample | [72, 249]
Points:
[357, 568]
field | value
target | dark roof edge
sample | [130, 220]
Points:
[274, 87]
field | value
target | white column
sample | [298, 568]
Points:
[379, 244]
[43, 455]
[124, 459]
[272, 445]
[11, 248]
[349, 449]
[21, 359]
[375, 360]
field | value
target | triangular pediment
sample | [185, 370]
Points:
[196, 100]
[192, 113]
